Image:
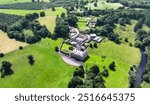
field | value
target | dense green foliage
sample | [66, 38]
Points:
[5, 69]
[62, 27]
[63, 3]
[90, 79]
[7, 19]
[17, 27]
[24, 6]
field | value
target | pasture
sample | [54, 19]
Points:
[16, 1]
[102, 4]
[126, 31]
[7, 45]
[48, 71]
[123, 55]
[48, 12]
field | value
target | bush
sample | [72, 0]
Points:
[20, 47]
[75, 81]
[95, 69]
[91, 46]
[42, 14]
[112, 66]
[53, 9]
[31, 59]
[95, 45]
[79, 72]
[105, 73]
[126, 40]
[1, 55]
[56, 49]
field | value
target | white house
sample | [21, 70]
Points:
[78, 54]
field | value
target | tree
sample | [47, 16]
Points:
[95, 45]
[20, 47]
[147, 22]
[31, 59]
[42, 14]
[6, 69]
[75, 81]
[95, 4]
[72, 20]
[62, 28]
[63, 15]
[99, 82]
[79, 72]
[138, 44]
[105, 73]
[53, 9]
[1, 55]
[35, 15]
[139, 25]
[112, 65]
[126, 40]
[33, 0]
[121, 21]
[56, 49]
[131, 77]
[95, 69]
[146, 41]
[91, 46]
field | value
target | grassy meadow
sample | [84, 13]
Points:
[102, 4]
[48, 21]
[82, 23]
[49, 69]
[16, 1]
[123, 55]
[8, 45]
[126, 31]
[48, 12]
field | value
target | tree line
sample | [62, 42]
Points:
[90, 78]
[62, 25]
[24, 6]
[8, 19]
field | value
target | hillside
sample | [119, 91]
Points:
[48, 70]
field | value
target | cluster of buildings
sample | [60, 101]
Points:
[80, 43]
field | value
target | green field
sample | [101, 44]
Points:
[16, 1]
[48, 21]
[48, 12]
[126, 32]
[82, 23]
[49, 69]
[102, 4]
[123, 55]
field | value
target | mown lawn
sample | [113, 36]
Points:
[48, 12]
[123, 55]
[82, 23]
[16, 1]
[104, 5]
[49, 69]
